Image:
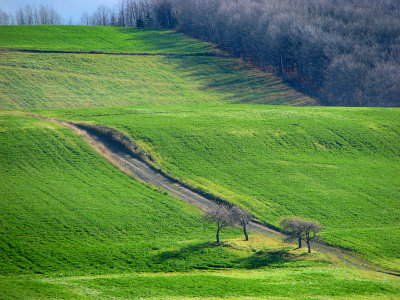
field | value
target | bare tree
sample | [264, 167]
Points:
[299, 228]
[20, 16]
[29, 14]
[121, 14]
[242, 218]
[113, 19]
[48, 15]
[5, 18]
[312, 228]
[70, 21]
[221, 216]
[85, 19]
[101, 17]
[294, 227]
[163, 11]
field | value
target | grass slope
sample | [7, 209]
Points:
[49, 80]
[337, 165]
[303, 282]
[72, 226]
[97, 38]
[65, 210]
[76, 80]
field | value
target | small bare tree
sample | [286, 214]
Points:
[311, 229]
[85, 19]
[299, 228]
[221, 216]
[293, 227]
[242, 218]
[5, 18]
[20, 16]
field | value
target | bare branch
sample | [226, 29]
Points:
[242, 218]
[221, 216]
[299, 228]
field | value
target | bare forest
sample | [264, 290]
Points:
[346, 52]
[32, 15]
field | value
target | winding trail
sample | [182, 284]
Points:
[146, 173]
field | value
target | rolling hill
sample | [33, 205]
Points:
[54, 80]
[67, 210]
[337, 165]
[97, 38]
[74, 226]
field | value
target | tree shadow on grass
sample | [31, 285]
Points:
[196, 256]
[266, 258]
[215, 256]
[185, 252]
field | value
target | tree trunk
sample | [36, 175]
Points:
[245, 233]
[309, 245]
[299, 241]
[218, 235]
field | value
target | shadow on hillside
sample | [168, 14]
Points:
[186, 252]
[212, 255]
[235, 82]
[161, 40]
[266, 258]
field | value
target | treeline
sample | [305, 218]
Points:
[31, 15]
[133, 13]
[345, 50]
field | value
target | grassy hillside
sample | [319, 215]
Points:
[303, 282]
[48, 80]
[97, 38]
[73, 226]
[77, 80]
[337, 165]
[65, 210]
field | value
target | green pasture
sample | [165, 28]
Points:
[339, 166]
[72, 226]
[305, 282]
[37, 80]
[66, 210]
[98, 38]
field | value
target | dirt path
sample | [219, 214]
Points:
[141, 170]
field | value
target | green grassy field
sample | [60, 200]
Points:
[305, 282]
[336, 165]
[32, 81]
[98, 38]
[73, 226]
[66, 210]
